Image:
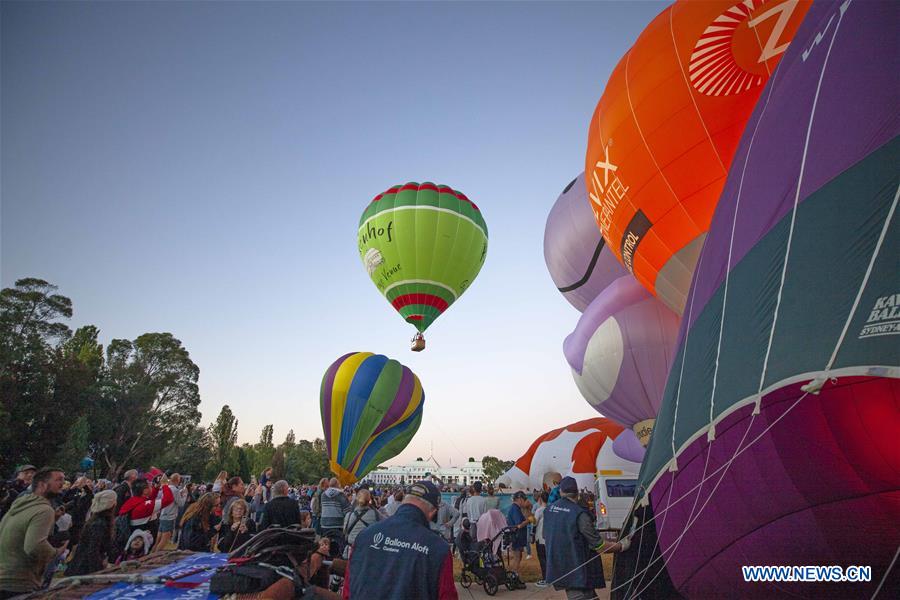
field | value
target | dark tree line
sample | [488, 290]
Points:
[135, 403]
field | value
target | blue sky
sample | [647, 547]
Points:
[200, 168]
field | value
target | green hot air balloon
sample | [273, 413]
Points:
[422, 245]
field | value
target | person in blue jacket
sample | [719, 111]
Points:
[573, 544]
[402, 557]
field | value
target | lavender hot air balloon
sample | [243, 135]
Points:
[620, 353]
[776, 443]
[579, 263]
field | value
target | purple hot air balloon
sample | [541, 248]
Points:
[776, 443]
[579, 263]
[621, 351]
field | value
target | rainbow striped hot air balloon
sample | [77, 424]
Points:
[422, 245]
[371, 408]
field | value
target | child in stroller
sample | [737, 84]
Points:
[481, 565]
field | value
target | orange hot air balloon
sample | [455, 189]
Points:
[666, 128]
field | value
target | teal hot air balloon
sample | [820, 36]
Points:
[371, 408]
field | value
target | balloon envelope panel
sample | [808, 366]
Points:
[422, 245]
[371, 408]
[788, 359]
[665, 130]
[579, 262]
[621, 351]
[578, 450]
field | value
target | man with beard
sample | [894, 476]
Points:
[24, 549]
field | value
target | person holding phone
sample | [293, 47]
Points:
[240, 527]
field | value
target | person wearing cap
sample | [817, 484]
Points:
[515, 518]
[17, 486]
[96, 543]
[572, 544]
[401, 557]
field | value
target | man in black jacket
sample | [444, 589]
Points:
[280, 511]
[123, 490]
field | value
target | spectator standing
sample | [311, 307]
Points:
[572, 541]
[240, 527]
[265, 476]
[124, 490]
[539, 543]
[334, 506]
[551, 486]
[475, 507]
[446, 519]
[492, 501]
[316, 505]
[220, 480]
[394, 503]
[78, 503]
[281, 511]
[232, 490]
[24, 549]
[17, 486]
[362, 515]
[169, 514]
[91, 553]
[460, 504]
[145, 504]
[198, 524]
[515, 517]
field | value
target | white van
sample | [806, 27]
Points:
[615, 491]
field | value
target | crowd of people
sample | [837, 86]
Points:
[50, 523]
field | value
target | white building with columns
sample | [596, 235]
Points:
[464, 474]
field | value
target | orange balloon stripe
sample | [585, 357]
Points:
[665, 130]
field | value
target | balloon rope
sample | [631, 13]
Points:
[886, 573]
[558, 579]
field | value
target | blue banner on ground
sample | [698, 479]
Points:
[201, 567]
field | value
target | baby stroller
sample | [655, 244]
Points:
[484, 567]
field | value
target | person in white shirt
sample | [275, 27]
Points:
[392, 507]
[475, 507]
[169, 514]
[539, 542]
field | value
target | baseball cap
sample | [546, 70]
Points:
[568, 485]
[426, 491]
[26, 468]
